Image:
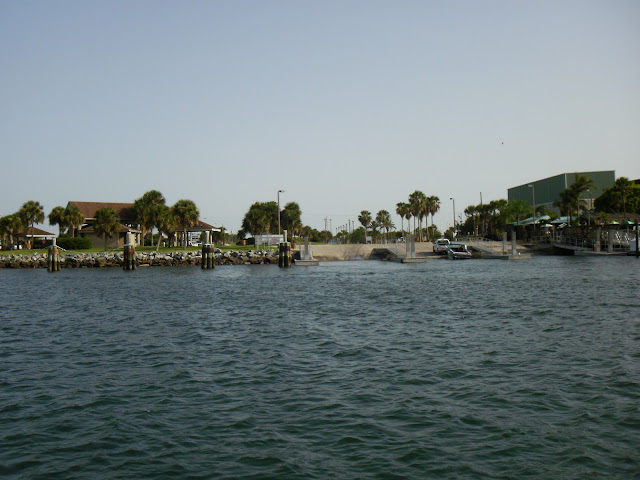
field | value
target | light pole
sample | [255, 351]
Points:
[533, 195]
[279, 192]
[454, 216]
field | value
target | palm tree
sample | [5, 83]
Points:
[401, 209]
[10, 225]
[623, 185]
[434, 206]
[290, 217]
[187, 215]
[565, 203]
[154, 202]
[383, 219]
[31, 213]
[470, 211]
[146, 209]
[365, 220]
[73, 218]
[56, 217]
[166, 223]
[517, 209]
[106, 224]
[418, 203]
[580, 185]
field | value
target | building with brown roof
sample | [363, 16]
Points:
[128, 222]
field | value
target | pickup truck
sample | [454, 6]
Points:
[441, 246]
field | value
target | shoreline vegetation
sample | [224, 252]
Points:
[81, 224]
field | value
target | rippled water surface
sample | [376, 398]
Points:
[478, 369]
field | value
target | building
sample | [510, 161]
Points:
[35, 234]
[127, 222]
[547, 190]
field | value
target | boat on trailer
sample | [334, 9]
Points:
[458, 251]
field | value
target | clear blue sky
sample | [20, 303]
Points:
[346, 105]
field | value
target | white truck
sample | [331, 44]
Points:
[441, 246]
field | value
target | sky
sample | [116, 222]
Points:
[345, 105]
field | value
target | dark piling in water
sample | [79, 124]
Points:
[208, 253]
[129, 262]
[53, 258]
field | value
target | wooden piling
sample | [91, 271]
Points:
[208, 253]
[284, 259]
[129, 262]
[53, 258]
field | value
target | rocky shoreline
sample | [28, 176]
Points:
[144, 259]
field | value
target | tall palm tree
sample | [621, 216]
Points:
[291, 218]
[107, 223]
[622, 185]
[565, 202]
[383, 219]
[580, 185]
[434, 206]
[155, 202]
[471, 211]
[166, 223]
[73, 218]
[401, 209]
[56, 217]
[417, 201]
[365, 220]
[187, 215]
[31, 213]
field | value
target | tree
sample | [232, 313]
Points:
[365, 220]
[383, 219]
[623, 196]
[187, 215]
[257, 220]
[30, 214]
[434, 206]
[580, 185]
[290, 217]
[166, 223]
[73, 218]
[471, 211]
[56, 217]
[10, 225]
[517, 209]
[106, 224]
[419, 208]
[623, 185]
[401, 209]
[146, 210]
[565, 202]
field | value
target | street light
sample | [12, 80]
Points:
[533, 194]
[454, 216]
[279, 192]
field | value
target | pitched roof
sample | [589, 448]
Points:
[89, 209]
[200, 226]
[36, 232]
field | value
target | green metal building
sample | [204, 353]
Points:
[547, 190]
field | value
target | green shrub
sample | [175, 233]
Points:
[74, 243]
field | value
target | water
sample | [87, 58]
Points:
[478, 369]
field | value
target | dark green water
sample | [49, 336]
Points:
[478, 369]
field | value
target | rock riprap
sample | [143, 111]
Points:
[144, 259]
